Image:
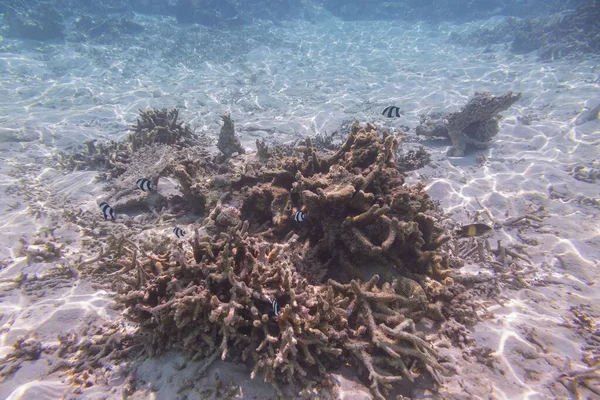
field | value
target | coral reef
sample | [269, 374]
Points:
[230, 13]
[572, 33]
[351, 282]
[473, 126]
[411, 10]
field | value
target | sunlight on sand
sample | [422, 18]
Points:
[47, 309]
[38, 389]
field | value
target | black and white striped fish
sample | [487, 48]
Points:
[145, 184]
[107, 211]
[390, 110]
[299, 216]
[276, 310]
[178, 232]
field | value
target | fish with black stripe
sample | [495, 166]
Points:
[145, 184]
[472, 230]
[107, 211]
[390, 111]
[298, 216]
[276, 309]
[178, 232]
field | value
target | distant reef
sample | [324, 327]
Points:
[440, 10]
[554, 27]
[572, 33]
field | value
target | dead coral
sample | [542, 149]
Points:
[112, 157]
[228, 142]
[360, 212]
[24, 349]
[95, 355]
[218, 304]
[363, 225]
[586, 322]
[153, 127]
[413, 159]
[474, 125]
[160, 126]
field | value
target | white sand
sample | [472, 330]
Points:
[57, 95]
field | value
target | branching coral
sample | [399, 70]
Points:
[153, 127]
[218, 304]
[112, 157]
[160, 126]
[360, 210]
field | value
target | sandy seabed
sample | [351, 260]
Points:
[317, 78]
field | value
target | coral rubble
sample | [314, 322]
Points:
[473, 126]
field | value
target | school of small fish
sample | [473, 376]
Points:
[145, 185]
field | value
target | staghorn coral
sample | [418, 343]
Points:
[473, 126]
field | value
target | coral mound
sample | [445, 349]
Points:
[296, 300]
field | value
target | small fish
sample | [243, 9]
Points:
[276, 310]
[145, 184]
[299, 216]
[473, 230]
[349, 311]
[178, 232]
[390, 110]
[107, 211]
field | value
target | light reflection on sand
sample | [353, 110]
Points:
[77, 95]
